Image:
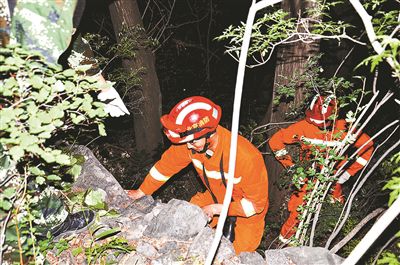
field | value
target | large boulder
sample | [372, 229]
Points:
[180, 220]
[302, 256]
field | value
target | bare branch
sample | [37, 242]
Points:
[355, 230]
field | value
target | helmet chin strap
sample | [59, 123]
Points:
[205, 149]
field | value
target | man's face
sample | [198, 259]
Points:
[196, 145]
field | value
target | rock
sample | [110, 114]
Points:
[133, 258]
[146, 250]
[94, 175]
[202, 243]
[276, 257]
[168, 247]
[135, 230]
[178, 219]
[251, 258]
[302, 256]
[176, 256]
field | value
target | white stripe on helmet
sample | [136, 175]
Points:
[173, 134]
[215, 113]
[189, 108]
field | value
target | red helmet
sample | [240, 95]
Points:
[321, 108]
[191, 119]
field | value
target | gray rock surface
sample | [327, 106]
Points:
[312, 256]
[302, 256]
[276, 257]
[133, 258]
[179, 219]
[251, 258]
[146, 250]
[202, 243]
[94, 175]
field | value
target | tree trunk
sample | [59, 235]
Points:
[146, 123]
[291, 58]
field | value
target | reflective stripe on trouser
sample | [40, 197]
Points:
[248, 234]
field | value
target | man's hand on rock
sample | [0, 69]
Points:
[212, 209]
[136, 194]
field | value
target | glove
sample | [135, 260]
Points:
[115, 107]
[337, 195]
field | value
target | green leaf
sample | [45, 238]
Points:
[102, 130]
[5, 205]
[45, 135]
[48, 157]
[75, 170]
[96, 199]
[40, 180]
[69, 73]
[78, 119]
[27, 140]
[36, 82]
[53, 177]
[58, 123]
[36, 171]
[9, 193]
[17, 152]
[76, 251]
[44, 117]
[56, 112]
[63, 159]
[107, 233]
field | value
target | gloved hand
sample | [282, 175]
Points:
[336, 195]
[114, 105]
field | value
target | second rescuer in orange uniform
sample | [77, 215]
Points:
[316, 130]
[192, 127]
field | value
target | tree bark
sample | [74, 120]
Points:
[146, 123]
[291, 59]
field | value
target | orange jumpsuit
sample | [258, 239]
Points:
[308, 135]
[250, 190]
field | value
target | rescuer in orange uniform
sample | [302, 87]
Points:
[192, 127]
[316, 130]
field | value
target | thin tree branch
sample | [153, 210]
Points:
[355, 230]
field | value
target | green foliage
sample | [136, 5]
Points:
[309, 82]
[268, 30]
[276, 27]
[389, 258]
[95, 252]
[131, 40]
[38, 103]
[394, 183]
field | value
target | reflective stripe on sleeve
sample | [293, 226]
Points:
[281, 152]
[157, 175]
[248, 207]
[361, 161]
[320, 142]
[344, 177]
